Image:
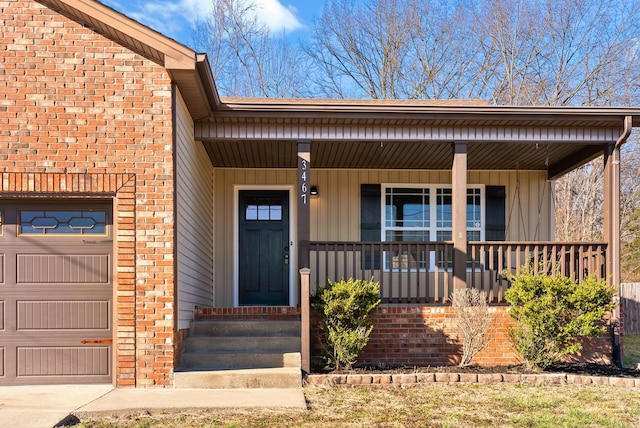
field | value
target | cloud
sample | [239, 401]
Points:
[171, 18]
[276, 16]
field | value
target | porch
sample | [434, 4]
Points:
[459, 165]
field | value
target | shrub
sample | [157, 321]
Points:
[345, 308]
[552, 313]
[471, 314]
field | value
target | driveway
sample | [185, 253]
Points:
[44, 406]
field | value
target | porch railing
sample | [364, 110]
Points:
[421, 272]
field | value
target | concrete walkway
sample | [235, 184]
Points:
[46, 406]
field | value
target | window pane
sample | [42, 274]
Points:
[443, 208]
[251, 212]
[276, 212]
[443, 235]
[474, 218]
[407, 207]
[473, 235]
[263, 212]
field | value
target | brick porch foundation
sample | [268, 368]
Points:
[422, 336]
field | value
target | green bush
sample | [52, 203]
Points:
[344, 308]
[552, 313]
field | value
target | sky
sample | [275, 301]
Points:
[176, 18]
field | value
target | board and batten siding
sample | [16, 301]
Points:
[194, 213]
[335, 212]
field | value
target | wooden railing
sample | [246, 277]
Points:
[421, 272]
[571, 259]
[408, 272]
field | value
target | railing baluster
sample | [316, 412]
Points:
[484, 271]
[446, 291]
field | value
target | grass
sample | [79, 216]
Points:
[631, 356]
[423, 405]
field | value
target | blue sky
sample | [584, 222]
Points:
[176, 18]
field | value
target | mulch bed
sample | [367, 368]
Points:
[578, 368]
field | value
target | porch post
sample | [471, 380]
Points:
[304, 235]
[304, 210]
[459, 214]
[305, 325]
[612, 235]
[612, 211]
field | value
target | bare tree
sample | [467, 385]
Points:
[509, 52]
[360, 49]
[246, 58]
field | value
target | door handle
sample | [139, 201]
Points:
[286, 259]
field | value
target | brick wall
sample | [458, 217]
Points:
[81, 116]
[421, 336]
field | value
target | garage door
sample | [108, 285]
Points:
[55, 293]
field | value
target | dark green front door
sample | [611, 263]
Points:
[264, 253]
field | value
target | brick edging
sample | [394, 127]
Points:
[466, 378]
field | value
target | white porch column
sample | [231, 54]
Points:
[459, 214]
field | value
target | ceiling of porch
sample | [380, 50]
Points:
[373, 134]
[397, 154]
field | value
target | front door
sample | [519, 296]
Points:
[264, 248]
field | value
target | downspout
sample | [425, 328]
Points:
[615, 241]
[628, 125]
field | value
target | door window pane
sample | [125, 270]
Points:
[263, 210]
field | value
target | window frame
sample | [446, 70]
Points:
[433, 227]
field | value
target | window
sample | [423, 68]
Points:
[425, 214]
[63, 223]
[270, 210]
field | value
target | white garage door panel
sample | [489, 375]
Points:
[56, 307]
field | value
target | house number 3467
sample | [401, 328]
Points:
[304, 187]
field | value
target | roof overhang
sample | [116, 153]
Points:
[259, 133]
[188, 70]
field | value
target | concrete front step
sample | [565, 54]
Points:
[217, 344]
[241, 360]
[284, 377]
[246, 328]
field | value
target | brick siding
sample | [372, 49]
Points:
[83, 117]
